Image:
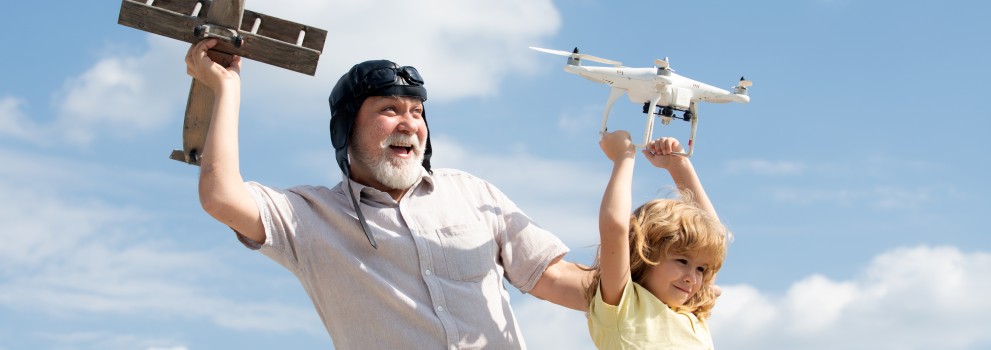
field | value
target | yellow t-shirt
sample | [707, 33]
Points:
[641, 321]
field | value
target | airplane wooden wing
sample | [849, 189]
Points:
[250, 34]
[241, 32]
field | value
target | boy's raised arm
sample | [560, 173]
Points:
[658, 152]
[614, 217]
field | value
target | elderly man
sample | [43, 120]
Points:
[397, 255]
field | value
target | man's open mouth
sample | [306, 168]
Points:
[402, 149]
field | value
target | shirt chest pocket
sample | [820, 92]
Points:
[467, 251]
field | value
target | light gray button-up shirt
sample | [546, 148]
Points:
[436, 279]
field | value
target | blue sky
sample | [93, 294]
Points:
[855, 180]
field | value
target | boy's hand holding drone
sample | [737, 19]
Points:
[617, 145]
[658, 152]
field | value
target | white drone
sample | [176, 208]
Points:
[657, 86]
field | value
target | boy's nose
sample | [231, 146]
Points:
[691, 278]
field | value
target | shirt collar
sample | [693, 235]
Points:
[363, 191]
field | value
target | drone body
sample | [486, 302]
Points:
[658, 86]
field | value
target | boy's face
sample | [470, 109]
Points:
[676, 278]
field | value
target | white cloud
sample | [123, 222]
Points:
[462, 49]
[517, 168]
[119, 97]
[883, 197]
[907, 298]
[743, 309]
[108, 340]
[110, 93]
[805, 303]
[869, 167]
[548, 326]
[893, 198]
[872, 181]
[13, 121]
[550, 191]
[90, 257]
[581, 121]
[123, 96]
[68, 252]
[766, 167]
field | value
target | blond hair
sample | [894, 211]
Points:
[664, 227]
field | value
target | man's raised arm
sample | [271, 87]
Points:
[221, 188]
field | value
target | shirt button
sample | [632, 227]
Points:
[428, 272]
[440, 308]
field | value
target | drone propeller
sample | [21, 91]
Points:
[741, 88]
[745, 83]
[579, 56]
[662, 64]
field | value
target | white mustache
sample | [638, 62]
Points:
[404, 140]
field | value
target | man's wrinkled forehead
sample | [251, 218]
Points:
[395, 98]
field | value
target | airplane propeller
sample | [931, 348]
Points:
[579, 56]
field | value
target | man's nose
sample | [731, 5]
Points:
[408, 123]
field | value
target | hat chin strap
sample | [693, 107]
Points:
[346, 167]
[427, 151]
[344, 163]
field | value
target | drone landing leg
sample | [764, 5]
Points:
[649, 128]
[691, 138]
[614, 94]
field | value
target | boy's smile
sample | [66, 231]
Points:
[676, 279]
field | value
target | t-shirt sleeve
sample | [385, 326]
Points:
[611, 314]
[604, 320]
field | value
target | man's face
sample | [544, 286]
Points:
[388, 142]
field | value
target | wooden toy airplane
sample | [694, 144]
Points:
[240, 32]
[656, 86]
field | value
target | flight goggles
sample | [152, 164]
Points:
[383, 77]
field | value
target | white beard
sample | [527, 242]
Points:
[395, 173]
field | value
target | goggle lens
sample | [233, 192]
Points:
[388, 76]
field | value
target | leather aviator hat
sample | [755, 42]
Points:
[370, 78]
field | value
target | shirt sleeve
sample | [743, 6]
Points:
[526, 249]
[279, 220]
